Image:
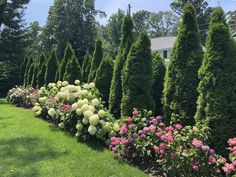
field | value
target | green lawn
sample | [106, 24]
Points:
[30, 147]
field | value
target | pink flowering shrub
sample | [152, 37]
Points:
[177, 150]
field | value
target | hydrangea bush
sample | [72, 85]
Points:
[77, 108]
[22, 97]
[176, 150]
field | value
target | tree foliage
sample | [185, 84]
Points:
[159, 71]
[103, 78]
[41, 71]
[73, 70]
[116, 84]
[217, 88]
[97, 58]
[181, 80]
[86, 66]
[51, 68]
[29, 62]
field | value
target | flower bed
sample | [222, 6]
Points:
[141, 139]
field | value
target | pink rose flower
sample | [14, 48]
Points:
[195, 166]
[170, 128]
[152, 127]
[211, 160]
[206, 148]
[228, 168]
[135, 112]
[197, 143]
[130, 120]
[212, 151]
[232, 142]
[146, 129]
[178, 126]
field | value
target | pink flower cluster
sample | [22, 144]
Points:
[65, 108]
[230, 167]
[123, 129]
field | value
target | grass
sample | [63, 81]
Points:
[29, 147]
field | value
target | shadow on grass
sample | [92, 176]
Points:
[24, 151]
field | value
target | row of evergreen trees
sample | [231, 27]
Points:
[193, 90]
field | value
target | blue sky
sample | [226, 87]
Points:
[38, 9]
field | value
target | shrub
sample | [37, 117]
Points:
[30, 74]
[22, 97]
[77, 108]
[217, 88]
[51, 68]
[181, 81]
[159, 71]
[41, 76]
[174, 150]
[116, 84]
[86, 66]
[69, 52]
[97, 58]
[73, 70]
[34, 81]
[22, 70]
[103, 78]
[137, 77]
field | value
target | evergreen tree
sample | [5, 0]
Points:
[217, 88]
[181, 80]
[29, 62]
[137, 77]
[73, 70]
[103, 78]
[159, 71]
[34, 81]
[51, 68]
[22, 70]
[41, 75]
[30, 74]
[86, 66]
[97, 58]
[69, 52]
[116, 85]
[42, 60]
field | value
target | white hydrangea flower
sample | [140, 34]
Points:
[85, 121]
[79, 127]
[76, 95]
[85, 92]
[78, 134]
[77, 82]
[79, 112]
[59, 82]
[116, 127]
[92, 108]
[86, 86]
[65, 83]
[85, 101]
[42, 88]
[94, 120]
[51, 112]
[92, 130]
[63, 89]
[71, 88]
[101, 113]
[85, 107]
[91, 85]
[38, 113]
[74, 106]
[87, 114]
[80, 103]
[50, 85]
[95, 102]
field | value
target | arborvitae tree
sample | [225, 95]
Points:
[30, 74]
[51, 68]
[103, 78]
[29, 62]
[41, 75]
[86, 66]
[73, 70]
[42, 60]
[97, 58]
[217, 88]
[116, 85]
[159, 71]
[34, 81]
[57, 77]
[22, 70]
[181, 80]
[69, 52]
[137, 77]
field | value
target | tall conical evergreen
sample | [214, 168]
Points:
[57, 77]
[41, 70]
[73, 70]
[69, 52]
[103, 78]
[30, 74]
[51, 68]
[86, 66]
[22, 70]
[34, 81]
[41, 75]
[97, 58]
[217, 88]
[181, 80]
[29, 62]
[159, 71]
[124, 48]
[137, 77]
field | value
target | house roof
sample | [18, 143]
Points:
[162, 43]
[165, 43]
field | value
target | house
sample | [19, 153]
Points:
[164, 45]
